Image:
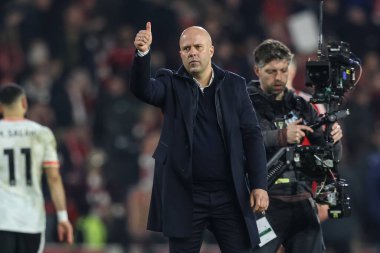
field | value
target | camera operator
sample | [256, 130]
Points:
[284, 117]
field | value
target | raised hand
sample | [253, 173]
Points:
[296, 132]
[143, 38]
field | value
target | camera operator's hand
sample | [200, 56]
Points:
[336, 132]
[296, 132]
[323, 213]
[143, 38]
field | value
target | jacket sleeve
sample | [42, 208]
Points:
[147, 89]
[271, 137]
[252, 141]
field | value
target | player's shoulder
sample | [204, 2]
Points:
[19, 123]
[36, 125]
[41, 130]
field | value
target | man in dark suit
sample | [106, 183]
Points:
[210, 169]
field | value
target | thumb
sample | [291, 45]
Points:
[148, 26]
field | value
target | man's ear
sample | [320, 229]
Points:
[211, 51]
[24, 103]
[256, 70]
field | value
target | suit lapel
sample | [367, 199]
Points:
[186, 95]
[223, 99]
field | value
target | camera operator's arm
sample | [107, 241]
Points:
[292, 134]
[272, 137]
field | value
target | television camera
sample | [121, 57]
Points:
[331, 75]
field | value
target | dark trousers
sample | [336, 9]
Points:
[220, 213]
[14, 242]
[296, 225]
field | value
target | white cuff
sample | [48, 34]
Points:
[142, 54]
[62, 216]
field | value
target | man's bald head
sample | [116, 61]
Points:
[194, 31]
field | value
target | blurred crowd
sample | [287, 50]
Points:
[74, 59]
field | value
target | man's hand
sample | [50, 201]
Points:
[323, 213]
[65, 232]
[295, 132]
[336, 132]
[143, 38]
[259, 200]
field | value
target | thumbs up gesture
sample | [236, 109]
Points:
[143, 38]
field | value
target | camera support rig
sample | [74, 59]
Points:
[316, 163]
[331, 75]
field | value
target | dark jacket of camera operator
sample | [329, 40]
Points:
[284, 118]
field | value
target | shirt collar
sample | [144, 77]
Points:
[209, 83]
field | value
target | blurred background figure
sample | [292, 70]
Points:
[28, 150]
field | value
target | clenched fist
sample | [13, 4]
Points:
[143, 38]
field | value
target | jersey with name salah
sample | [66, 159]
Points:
[25, 148]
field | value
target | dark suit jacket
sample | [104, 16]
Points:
[175, 93]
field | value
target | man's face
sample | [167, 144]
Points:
[196, 51]
[273, 77]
